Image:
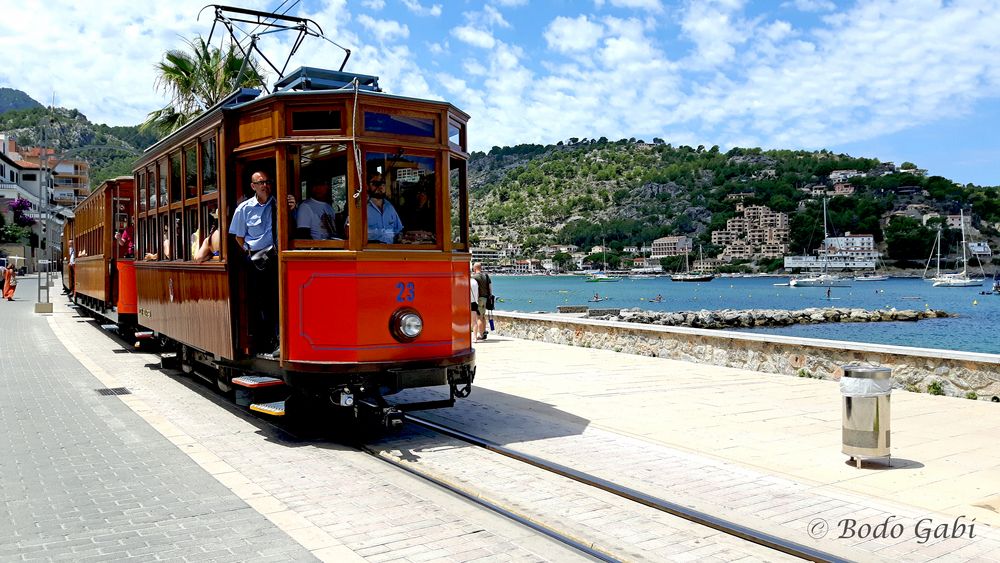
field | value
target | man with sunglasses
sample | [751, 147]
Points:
[384, 224]
[253, 226]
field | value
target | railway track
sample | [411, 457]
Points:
[592, 548]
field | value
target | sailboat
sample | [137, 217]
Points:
[602, 276]
[824, 279]
[689, 276]
[961, 279]
[873, 275]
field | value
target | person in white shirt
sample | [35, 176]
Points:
[315, 218]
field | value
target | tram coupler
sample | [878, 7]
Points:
[460, 380]
[389, 416]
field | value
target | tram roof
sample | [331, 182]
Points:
[303, 81]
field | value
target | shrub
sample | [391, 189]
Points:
[971, 395]
[935, 388]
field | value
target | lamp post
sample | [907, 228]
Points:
[45, 175]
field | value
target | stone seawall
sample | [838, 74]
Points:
[731, 318]
[959, 374]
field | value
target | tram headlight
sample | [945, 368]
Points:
[406, 324]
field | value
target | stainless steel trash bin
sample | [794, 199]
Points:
[866, 391]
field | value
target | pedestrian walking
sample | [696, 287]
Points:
[485, 292]
[9, 282]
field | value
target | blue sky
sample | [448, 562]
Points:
[913, 80]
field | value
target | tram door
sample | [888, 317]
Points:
[254, 273]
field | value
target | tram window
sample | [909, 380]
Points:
[140, 248]
[401, 206]
[175, 177]
[177, 236]
[456, 134]
[141, 180]
[378, 122]
[208, 166]
[161, 176]
[191, 171]
[194, 234]
[459, 203]
[211, 243]
[315, 120]
[153, 239]
[322, 213]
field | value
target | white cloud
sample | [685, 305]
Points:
[384, 30]
[511, 3]
[373, 4]
[474, 37]
[421, 10]
[811, 5]
[714, 28]
[650, 5]
[492, 17]
[567, 35]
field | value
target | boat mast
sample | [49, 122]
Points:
[961, 222]
[938, 274]
[826, 253]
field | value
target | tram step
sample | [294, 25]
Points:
[168, 355]
[143, 334]
[276, 408]
[255, 381]
[109, 327]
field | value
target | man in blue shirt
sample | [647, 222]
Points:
[384, 224]
[253, 226]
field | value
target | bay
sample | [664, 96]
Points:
[973, 330]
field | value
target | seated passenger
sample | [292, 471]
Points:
[384, 224]
[209, 249]
[421, 219]
[166, 247]
[316, 216]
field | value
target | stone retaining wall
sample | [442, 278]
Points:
[957, 373]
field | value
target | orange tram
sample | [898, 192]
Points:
[366, 307]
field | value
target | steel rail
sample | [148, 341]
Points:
[537, 526]
[725, 526]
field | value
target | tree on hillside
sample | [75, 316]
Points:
[907, 239]
[197, 80]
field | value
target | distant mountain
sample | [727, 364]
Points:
[109, 150]
[13, 100]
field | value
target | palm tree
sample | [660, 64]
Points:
[197, 80]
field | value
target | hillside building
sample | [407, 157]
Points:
[671, 246]
[758, 233]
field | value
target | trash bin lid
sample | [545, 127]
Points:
[867, 372]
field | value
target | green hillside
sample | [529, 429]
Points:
[109, 150]
[628, 192]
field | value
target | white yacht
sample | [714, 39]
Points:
[958, 279]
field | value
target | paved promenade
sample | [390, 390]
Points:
[173, 471]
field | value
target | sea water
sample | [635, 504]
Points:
[973, 330]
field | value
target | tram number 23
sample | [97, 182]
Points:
[406, 291]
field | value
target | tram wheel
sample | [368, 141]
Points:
[187, 366]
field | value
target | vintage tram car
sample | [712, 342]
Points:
[363, 311]
[101, 273]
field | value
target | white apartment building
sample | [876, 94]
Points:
[839, 253]
[844, 175]
[671, 246]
